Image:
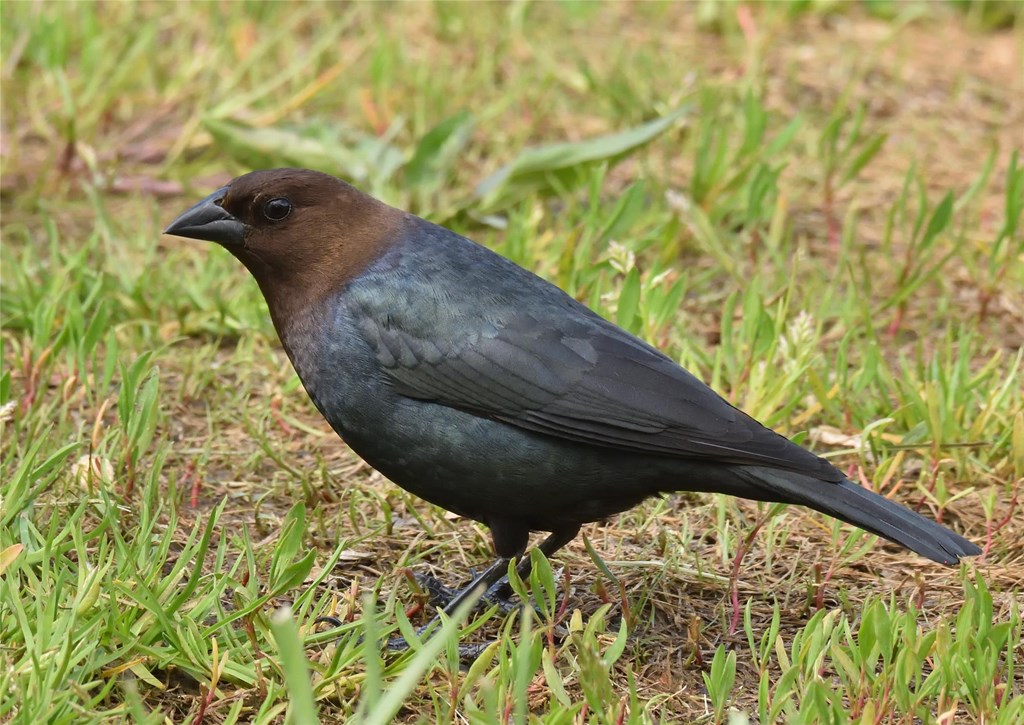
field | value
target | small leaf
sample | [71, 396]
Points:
[294, 575]
[332, 149]
[8, 555]
[863, 157]
[542, 581]
[438, 148]
[629, 300]
[599, 563]
[778, 144]
[543, 169]
[142, 672]
[939, 221]
[554, 679]
[615, 650]
[293, 529]
[89, 593]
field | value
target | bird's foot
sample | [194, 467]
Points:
[440, 595]
[445, 598]
[500, 595]
[468, 652]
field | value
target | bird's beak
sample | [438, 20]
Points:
[210, 222]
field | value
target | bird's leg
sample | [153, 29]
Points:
[501, 591]
[481, 583]
[441, 596]
[496, 589]
[437, 593]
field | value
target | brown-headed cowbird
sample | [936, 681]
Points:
[484, 389]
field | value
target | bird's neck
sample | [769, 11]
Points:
[297, 312]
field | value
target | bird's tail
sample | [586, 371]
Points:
[863, 508]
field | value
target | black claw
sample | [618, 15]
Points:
[468, 653]
[502, 590]
[398, 644]
[438, 593]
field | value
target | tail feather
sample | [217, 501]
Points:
[863, 508]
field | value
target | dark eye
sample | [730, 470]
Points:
[277, 209]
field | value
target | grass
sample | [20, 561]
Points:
[814, 206]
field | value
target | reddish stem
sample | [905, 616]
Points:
[737, 561]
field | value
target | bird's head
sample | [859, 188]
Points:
[301, 233]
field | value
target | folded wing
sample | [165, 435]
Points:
[581, 378]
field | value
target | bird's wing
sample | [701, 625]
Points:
[562, 371]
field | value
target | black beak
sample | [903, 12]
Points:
[210, 222]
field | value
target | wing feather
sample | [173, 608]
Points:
[582, 379]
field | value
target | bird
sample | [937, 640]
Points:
[482, 388]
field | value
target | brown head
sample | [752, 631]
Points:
[301, 233]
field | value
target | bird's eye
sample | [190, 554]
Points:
[277, 209]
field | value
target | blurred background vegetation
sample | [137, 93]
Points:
[813, 205]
